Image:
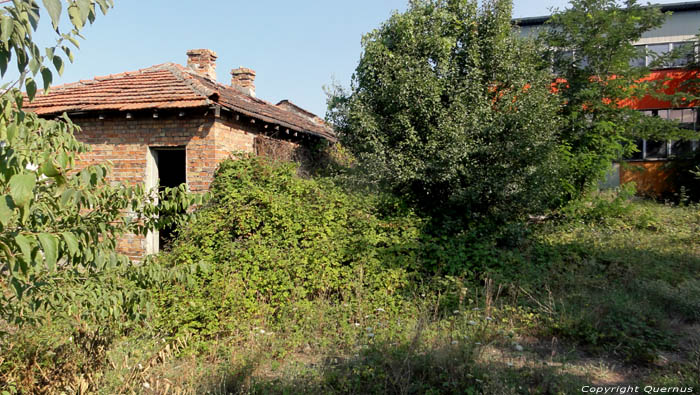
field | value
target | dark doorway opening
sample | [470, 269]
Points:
[172, 172]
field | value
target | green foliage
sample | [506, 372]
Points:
[59, 225]
[450, 108]
[601, 207]
[595, 83]
[269, 239]
[18, 21]
[626, 273]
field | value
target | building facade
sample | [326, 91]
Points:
[170, 124]
[650, 167]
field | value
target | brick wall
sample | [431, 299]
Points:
[125, 142]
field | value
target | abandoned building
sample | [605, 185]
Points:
[169, 124]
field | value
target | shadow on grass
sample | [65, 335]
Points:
[399, 369]
[617, 295]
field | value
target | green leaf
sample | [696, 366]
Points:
[25, 246]
[49, 169]
[6, 26]
[4, 60]
[84, 7]
[11, 132]
[6, 209]
[103, 6]
[92, 14]
[49, 243]
[68, 53]
[74, 15]
[66, 197]
[47, 77]
[22, 188]
[58, 63]
[62, 159]
[53, 7]
[71, 243]
[19, 288]
[72, 39]
[22, 58]
[34, 66]
[31, 88]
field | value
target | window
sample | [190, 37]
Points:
[655, 150]
[639, 155]
[685, 51]
[686, 54]
[656, 50]
[682, 147]
[640, 60]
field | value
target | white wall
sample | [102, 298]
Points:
[680, 26]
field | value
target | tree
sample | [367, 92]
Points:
[591, 45]
[450, 108]
[59, 225]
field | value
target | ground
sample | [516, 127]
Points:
[606, 293]
[615, 303]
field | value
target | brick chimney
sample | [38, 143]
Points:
[202, 61]
[243, 79]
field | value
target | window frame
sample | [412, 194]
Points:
[670, 47]
[669, 143]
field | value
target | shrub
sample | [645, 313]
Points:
[273, 239]
[601, 207]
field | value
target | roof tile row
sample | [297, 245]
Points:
[168, 85]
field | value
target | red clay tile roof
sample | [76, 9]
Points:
[164, 86]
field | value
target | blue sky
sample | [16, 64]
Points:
[296, 47]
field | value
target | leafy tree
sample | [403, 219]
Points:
[59, 225]
[450, 107]
[591, 45]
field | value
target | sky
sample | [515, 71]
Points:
[295, 47]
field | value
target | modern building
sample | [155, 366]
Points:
[649, 167]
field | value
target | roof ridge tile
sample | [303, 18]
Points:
[196, 86]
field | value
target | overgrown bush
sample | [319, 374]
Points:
[272, 239]
[600, 207]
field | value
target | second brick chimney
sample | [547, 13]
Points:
[243, 79]
[202, 61]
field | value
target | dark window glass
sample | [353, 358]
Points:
[681, 147]
[582, 62]
[685, 52]
[639, 61]
[562, 60]
[656, 50]
[656, 150]
[637, 155]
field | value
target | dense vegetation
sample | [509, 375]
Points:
[381, 306]
[414, 270]
[451, 109]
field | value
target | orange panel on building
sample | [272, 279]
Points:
[652, 177]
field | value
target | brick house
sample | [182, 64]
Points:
[169, 124]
